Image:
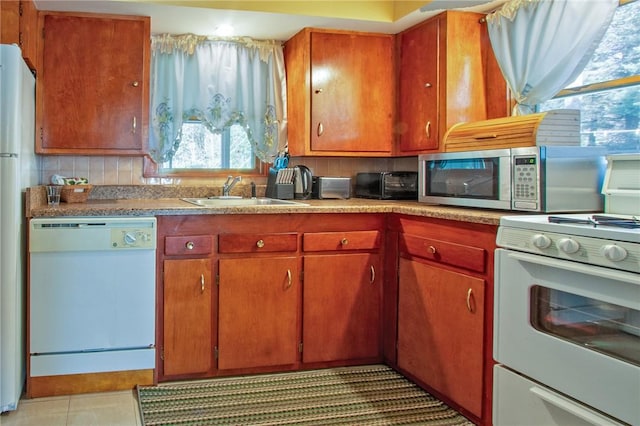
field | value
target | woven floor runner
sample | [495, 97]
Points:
[364, 395]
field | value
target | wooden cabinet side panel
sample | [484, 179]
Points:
[464, 93]
[440, 331]
[28, 32]
[10, 19]
[297, 62]
[390, 298]
[258, 312]
[341, 307]
[187, 325]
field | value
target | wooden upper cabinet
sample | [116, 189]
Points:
[340, 93]
[418, 87]
[93, 93]
[447, 75]
[19, 22]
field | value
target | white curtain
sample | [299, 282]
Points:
[543, 45]
[220, 82]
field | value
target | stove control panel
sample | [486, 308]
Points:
[624, 256]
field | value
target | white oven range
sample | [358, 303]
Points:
[567, 320]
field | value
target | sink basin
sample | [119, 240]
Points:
[239, 202]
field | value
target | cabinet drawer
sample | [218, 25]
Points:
[187, 245]
[257, 243]
[351, 240]
[472, 258]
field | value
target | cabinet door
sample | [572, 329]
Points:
[440, 331]
[94, 85]
[418, 105]
[352, 93]
[341, 307]
[188, 319]
[258, 312]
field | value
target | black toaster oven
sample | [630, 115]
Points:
[387, 185]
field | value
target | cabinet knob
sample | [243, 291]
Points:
[344, 241]
[432, 249]
[135, 84]
[318, 91]
[189, 245]
[260, 243]
[427, 85]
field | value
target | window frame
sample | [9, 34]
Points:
[601, 86]
[152, 169]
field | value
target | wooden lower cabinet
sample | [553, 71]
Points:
[248, 294]
[440, 330]
[258, 312]
[442, 318]
[188, 311]
[341, 306]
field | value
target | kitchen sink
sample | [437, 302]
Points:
[239, 202]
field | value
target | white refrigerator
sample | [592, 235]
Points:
[18, 170]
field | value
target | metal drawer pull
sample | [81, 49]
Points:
[344, 241]
[427, 85]
[427, 129]
[469, 294]
[135, 84]
[135, 125]
[432, 249]
[201, 283]
[320, 129]
[289, 278]
[190, 245]
[260, 243]
[373, 275]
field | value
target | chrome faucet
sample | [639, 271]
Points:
[230, 183]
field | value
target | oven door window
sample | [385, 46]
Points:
[599, 326]
[463, 178]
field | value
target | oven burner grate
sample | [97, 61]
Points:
[599, 220]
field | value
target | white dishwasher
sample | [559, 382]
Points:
[92, 295]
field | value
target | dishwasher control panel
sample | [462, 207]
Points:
[132, 238]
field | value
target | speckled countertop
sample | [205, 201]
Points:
[160, 200]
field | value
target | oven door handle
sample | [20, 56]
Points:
[570, 406]
[609, 274]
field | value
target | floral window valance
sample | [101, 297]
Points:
[220, 82]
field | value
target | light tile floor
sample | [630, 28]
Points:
[94, 409]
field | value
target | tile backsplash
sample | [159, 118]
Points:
[128, 170]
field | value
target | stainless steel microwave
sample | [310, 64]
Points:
[534, 179]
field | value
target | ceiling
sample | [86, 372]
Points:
[277, 20]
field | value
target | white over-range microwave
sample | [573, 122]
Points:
[535, 179]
